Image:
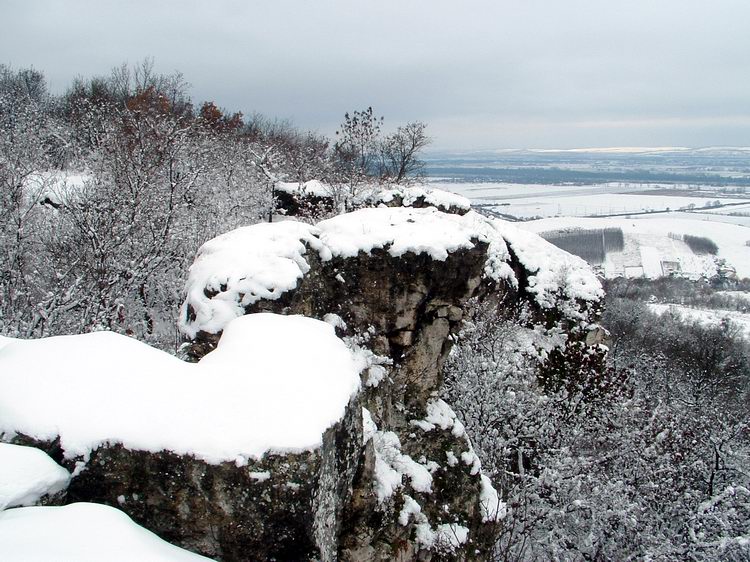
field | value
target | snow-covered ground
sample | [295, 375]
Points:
[708, 216]
[739, 295]
[705, 316]
[274, 383]
[651, 248]
[489, 192]
[5, 341]
[27, 474]
[526, 201]
[650, 251]
[600, 204]
[81, 532]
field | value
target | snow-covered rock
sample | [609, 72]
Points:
[419, 197]
[81, 532]
[555, 278]
[235, 270]
[265, 262]
[287, 465]
[395, 280]
[311, 198]
[275, 383]
[314, 188]
[27, 475]
[180, 446]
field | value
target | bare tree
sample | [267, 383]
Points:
[356, 154]
[400, 153]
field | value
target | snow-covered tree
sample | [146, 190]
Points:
[654, 469]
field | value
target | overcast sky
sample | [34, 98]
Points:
[502, 74]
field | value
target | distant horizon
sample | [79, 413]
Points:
[480, 74]
[592, 149]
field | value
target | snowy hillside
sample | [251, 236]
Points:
[651, 246]
[706, 317]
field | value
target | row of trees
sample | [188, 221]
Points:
[107, 191]
[651, 467]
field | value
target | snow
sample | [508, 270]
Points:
[81, 532]
[274, 384]
[447, 200]
[651, 260]
[373, 364]
[314, 188]
[373, 195]
[616, 149]
[263, 261]
[242, 266]
[481, 193]
[452, 459]
[27, 474]
[492, 508]
[399, 230]
[545, 205]
[410, 510]
[552, 270]
[390, 464]
[529, 201]
[654, 231]
[706, 317]
[55, 186]
[471, 459]
[447, 537]
[5, 341]
[440, 414]
[439, 198]
[261, 476]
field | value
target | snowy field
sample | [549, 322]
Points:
[528, 201]
[650, 251]
[599, 204]
[651, 232]
[730, 216]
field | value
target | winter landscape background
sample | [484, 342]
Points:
[274, 323]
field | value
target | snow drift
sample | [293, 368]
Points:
[275, 383]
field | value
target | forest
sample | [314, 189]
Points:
[648, 462]
[108, 190]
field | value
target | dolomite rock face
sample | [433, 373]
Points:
[278, 508]
[396, 477]
[315, 199]
[418, 491]
[403, 309]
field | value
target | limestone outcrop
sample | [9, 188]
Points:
[315, 199]
[394, 476]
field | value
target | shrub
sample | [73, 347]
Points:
[701, 245]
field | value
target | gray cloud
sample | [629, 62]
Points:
[513, 73]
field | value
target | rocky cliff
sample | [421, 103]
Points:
[393, 476]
